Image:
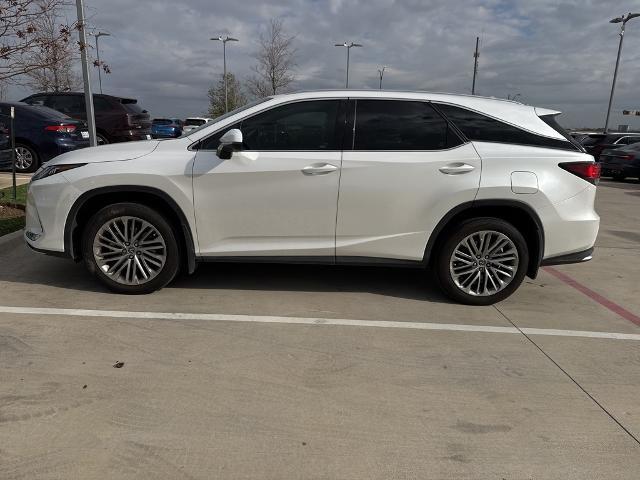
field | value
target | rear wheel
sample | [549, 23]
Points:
[101, 139]
[131, 248]
[482, 262]
[27, 159]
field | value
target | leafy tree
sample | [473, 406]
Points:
[235, 95]
[24, 47]
[56, 72]
[275, 62]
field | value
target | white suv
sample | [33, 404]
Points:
[482, 190]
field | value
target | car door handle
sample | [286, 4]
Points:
[457, 168]
[319, 169]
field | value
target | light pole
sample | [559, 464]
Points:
[98, 35]
[224, 41]
[623, 20]
[348, 46]
[86, 74]
[381, 73]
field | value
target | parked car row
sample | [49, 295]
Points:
[618, 153]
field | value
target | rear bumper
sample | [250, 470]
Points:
[610, 169]
[577, 257]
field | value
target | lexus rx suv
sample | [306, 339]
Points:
[483, 191]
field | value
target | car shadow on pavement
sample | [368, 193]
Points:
[19, 265]
[406, 283]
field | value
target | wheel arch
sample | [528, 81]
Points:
[91, 201]
[519, 214]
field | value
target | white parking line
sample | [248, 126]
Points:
[215, 317]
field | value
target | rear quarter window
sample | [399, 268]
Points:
[478, 127]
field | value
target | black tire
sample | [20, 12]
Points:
[102, 139]
[172, 262]
[619, 178]
[455, 236]
[34, 164]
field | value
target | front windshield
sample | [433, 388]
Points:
[226, 115]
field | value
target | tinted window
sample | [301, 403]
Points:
[476, 126]
[101, 104]
[161, 121]
[46, 112]
[132, 107]
[590, 140]
[296, 126]
[212, 142]
[194, 121]
[401, 125]
[67, 104]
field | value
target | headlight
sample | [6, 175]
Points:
[47, 171]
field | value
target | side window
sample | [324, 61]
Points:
[476, 126]
[401, 125]
[632, 140]
[37, 100]
[101, 105]
[212, 142]
[68, 104]
[306, 125]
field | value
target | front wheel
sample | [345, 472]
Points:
[482, 262]
[131, 248]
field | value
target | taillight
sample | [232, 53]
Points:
[61, 128]
[588, 171]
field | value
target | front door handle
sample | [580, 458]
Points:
[457, 168]
[319, 169]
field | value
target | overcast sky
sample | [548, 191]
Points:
[555, 53]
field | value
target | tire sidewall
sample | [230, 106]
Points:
[467, 228]
[172, 263]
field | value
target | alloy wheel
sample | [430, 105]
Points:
[129, 250]
[24, 158]
[484, 263]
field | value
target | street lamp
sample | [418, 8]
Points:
[98, 35]
[623, 20]
[348, 46]
[381, 73]
[224, 41]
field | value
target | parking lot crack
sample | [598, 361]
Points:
[591, 397]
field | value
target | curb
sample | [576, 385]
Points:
[11, 236]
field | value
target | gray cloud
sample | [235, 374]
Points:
[555, 54]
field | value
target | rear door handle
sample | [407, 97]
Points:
[319, 169]
[457, 168]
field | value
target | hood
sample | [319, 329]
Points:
[112, 152]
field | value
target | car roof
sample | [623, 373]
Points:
[103, 95]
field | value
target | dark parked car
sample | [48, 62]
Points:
[166, 128]
[621, 163]
[42, 133]
[117, 119]
[595, 143]
[5, 140]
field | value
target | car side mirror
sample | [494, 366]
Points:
[230, 142]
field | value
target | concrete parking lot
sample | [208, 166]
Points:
[260, 371]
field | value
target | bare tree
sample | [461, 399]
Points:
[276, 60]
[57, 73]
[236, 97]
[21, 38]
